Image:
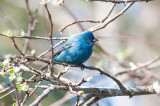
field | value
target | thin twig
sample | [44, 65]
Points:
[15, 45]
[78, 21]
[81, 82]
[74, 17]
[86, 99]
[27, 96]
[77, 101]
[122, 1]
[5, 90]
[95, 99]
[109, 12]
[16, 93]
[28, 11]
[65, 98]
[151, 74]
[31, 26]
[7, 94]
[108, 75]
[42, 54]
[144, 65]
[88, 20]
[60, 74]
[50, 35]
[62, 49]
[35, 88]
[35, 37]
[43, 95]
[103, 25]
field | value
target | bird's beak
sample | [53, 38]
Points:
[95, 40]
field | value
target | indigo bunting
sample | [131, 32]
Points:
[79, 51]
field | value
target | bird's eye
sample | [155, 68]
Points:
[90, 38]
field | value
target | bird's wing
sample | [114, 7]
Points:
[66, 46]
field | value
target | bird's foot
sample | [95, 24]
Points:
[65, 64]
[82, 67]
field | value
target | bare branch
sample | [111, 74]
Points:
[27, 96]
[81, 82]
[95, 99]
[122, 1]
[7, 94]
[35, 37]
[78, 21]
[109, 12]
[50, 35]
[144, 65]
[42, 54]
[29, 26]
[32, 24]
[15, 45]
[108, 75]
[43, 95]
[103, 25]
[74, 17]
[105, 92]
[5, 90]
[88, 20]
[89, 96]
[28, 11]
[99, 92]
[16, 93]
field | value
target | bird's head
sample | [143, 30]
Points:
[88, 37]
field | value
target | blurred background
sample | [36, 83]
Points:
[132, 38]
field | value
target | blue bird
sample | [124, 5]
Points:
[79, 49]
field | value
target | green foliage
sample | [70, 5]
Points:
[44, 1]
[89, 79]
[33, 52]
[9, 33]
[80, 92]
[14, 104]
[5, 62]
[19, 79]
[23, 87]
[12, 76]
[22, 33]
[19, 87]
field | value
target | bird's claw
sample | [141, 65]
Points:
[65, 64]
[82, 67]
[128, 92]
